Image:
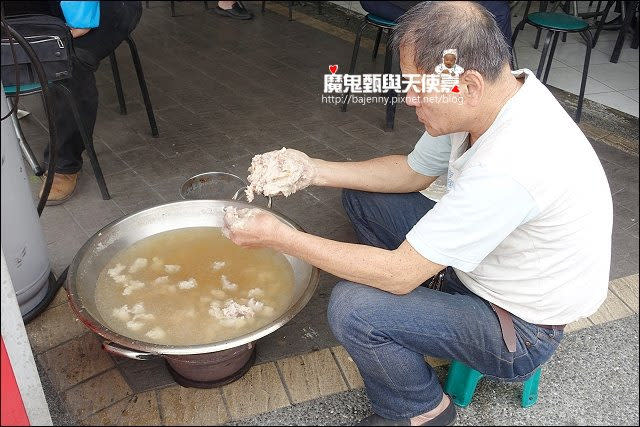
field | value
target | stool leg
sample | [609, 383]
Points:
[118, 83]
[290, 11]
[264, 3]
[173, 9]
[543, 8]
[143, 86]
[88, 142]
[391, 94]
[147, 4]
[585, 71]
[461, 383]
[530, 390]
[377, 44]
[545, 50]
[206, 6]
[553, 50]
[22, 141]
[354, 57]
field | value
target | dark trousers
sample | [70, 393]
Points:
[393, 10]
[117, 21]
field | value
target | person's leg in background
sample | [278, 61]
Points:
[232, 9]
[117, 21]
[502, 13]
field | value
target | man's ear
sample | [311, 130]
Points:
[473, 87]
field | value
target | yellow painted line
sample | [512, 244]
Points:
[333, 30]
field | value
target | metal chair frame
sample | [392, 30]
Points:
[388, 62]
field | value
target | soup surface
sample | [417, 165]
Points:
[192, 286]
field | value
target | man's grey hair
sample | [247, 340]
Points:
[431, 27]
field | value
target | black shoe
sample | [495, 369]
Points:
[446, 418]
[236, 12]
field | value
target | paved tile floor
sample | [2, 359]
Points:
[222, 92]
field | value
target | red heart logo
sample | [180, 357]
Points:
[455, 89]
[333, 68]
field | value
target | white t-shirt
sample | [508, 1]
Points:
[527, 217]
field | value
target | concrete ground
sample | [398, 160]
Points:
[223, 91]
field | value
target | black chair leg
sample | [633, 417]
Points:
[377, 44]
[173, 9]
[354, 57]
[264, 3]
[290, 11]
[585, 72]
[143, 86]
[391, 95]
[601, 21]
[118, 83]
[206, 6]
[630, 9]
[88, 142]
[518, 28]
[553, 50]
[147, 4]
[545, 50]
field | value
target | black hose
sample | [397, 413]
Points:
[54, 284]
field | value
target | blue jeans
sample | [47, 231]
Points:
[388, 335]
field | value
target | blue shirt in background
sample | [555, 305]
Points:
[81, 14]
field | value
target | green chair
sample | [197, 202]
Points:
[462, 381]
[556, 24]
[382, 24]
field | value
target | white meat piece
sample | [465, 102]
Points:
[144, 316]
[218, 294]
[188, 284]
[156, 333]
[132, 286]
[162, 280]
[137, 308]
[116, 270]
[230, 310]
[228, 285]
[233, 309]
[255, 305]
[122, 313]
[134, 326]
[255, 293]
[138, 265]
[217, 265]
[279, 172]
[169, 268]
[120, 279]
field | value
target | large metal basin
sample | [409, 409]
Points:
[101, 247]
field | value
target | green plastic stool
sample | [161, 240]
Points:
[462, 381]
